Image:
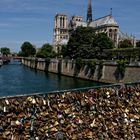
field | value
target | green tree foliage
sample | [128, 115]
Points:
[138, 44]
[121, 68]
[123, 53]
[80, 43]
[84, 43]
[125, 44]
[91, 64]
[64, 50]
[100, 43]
[5, 51]
[45, 51]
[27, 49]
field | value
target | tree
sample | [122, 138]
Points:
[64, 50]
[27, 49]
[80, 43]
[5, 51]
[138, 44]
[45, 51]
[101, 42]
[126, 43]
[85, 43]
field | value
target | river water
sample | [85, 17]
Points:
[16, 79]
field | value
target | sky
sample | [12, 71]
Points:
[33, 20]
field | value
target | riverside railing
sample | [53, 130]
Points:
[75, 90]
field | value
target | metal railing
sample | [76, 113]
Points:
[76, 90]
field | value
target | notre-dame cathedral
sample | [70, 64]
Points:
[106, 24]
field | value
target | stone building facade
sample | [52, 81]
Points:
[106, 24]
[60, 30]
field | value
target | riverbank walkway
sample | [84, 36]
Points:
[101, 113]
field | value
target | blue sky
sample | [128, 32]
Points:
[33, 20]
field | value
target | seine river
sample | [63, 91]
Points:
[16, 79]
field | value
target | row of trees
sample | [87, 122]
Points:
[138, 44]
[83, 43]
[126, 43]
[5, 51]
[27, 49]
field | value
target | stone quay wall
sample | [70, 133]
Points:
[106, 113]
[68, 68]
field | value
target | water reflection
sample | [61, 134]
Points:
[18, 79]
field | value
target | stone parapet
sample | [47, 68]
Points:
[108, 73]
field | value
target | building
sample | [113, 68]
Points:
[106, 24]
[61, 35]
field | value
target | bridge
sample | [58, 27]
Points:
[17, 58]
[108, 108]
[6, 59]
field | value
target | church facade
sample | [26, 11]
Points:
[106, 24]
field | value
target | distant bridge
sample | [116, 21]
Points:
[7, 59]
[17, 58]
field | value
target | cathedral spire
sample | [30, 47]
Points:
[89, 12]
[110, 11]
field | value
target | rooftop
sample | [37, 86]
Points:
[106, 20]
